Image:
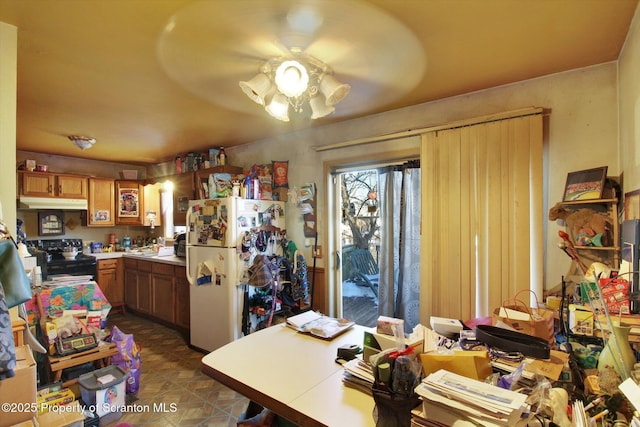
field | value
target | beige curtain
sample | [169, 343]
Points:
[482, 216]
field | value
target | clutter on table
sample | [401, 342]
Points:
[495, 374]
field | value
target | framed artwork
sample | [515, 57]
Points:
[50, 223]
[585, 185]
[128, 203]
[632, 205]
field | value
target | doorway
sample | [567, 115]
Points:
[359, 244]
[375, 234]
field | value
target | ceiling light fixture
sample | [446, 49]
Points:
[300, 83]
[82, 142]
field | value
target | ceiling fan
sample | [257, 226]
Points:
[208, 47]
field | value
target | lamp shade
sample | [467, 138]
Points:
[257, 88]
[292, 78]
[319, 107]
[333, 90]
[279, 107]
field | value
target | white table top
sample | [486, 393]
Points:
[294, 375]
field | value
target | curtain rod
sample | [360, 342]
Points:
[413, 132]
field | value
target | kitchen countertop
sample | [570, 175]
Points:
[171, 259]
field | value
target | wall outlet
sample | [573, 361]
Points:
[317, 251]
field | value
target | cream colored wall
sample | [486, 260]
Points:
[8, 89]
[629, 104]
[582, 133]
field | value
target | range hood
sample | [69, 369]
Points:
[26, 202]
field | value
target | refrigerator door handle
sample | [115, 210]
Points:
[191, 279]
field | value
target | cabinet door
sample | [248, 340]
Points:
[131, 288]
[163, 297]
[144, 286]
[101, 202]
[110, 280]
[152, 205]
[71, 186]
[183, 191]
[37, 184]
[129, 202]
[182, 298]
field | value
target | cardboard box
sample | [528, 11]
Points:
[375, 343]
[70, 415]
[20, 390]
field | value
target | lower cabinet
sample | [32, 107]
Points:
[182, 298]
[163, 292]
[157, 289]
[111, 281]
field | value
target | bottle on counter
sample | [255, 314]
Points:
[178, 165]
[126, 242]
[222, 156]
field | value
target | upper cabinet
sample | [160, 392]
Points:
[44, 184]
[102, 196]
[183, 191]
[152, 205]
[129, 202]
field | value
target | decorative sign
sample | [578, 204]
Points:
[128, 203]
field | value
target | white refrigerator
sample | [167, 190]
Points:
[215, 231]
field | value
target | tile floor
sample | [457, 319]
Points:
[171, 374]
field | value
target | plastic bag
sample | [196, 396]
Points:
[129, 358]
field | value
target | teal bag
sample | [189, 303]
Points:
[13, 279]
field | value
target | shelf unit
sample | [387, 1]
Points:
[609, 254]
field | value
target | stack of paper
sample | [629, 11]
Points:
[445, 394]
[358, 374]
[318, 325]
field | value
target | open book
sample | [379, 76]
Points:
[318, 325]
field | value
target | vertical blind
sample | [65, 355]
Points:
[482, 215]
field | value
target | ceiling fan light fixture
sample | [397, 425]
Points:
[279, 107]
[82, 142]
[333, 90]
[298, 82]
[257, 88]
[292, 78]
[319, 107]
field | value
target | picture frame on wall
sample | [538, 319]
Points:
[50, 223]
[632, 205]
[586, 184]
[128, 202]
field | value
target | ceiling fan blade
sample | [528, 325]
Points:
[209, 46]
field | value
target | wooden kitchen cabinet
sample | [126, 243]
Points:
[111, 281]
[182, 298]
[45, 184]
[129, 202]
[144, 286]
[158, 290]
[102, 203]
[137, 285]
[163, 292]
[183, 191]
[130, 283]
[152, 203]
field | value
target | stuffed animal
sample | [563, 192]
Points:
[586, 227]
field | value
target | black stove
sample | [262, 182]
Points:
[56, 263]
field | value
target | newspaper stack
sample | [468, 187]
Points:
[449, 397]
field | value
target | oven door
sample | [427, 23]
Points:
[72, 268]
